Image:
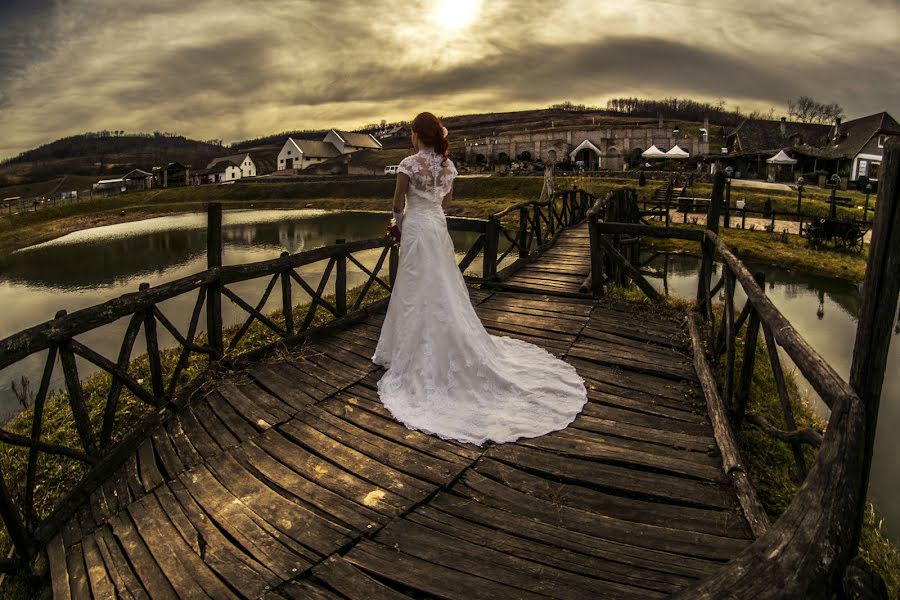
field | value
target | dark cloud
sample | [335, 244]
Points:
[244, 69]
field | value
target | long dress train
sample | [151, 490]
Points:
[446, 375]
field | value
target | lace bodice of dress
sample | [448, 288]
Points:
[430, 176]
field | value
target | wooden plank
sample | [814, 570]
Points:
[339, 373]
[171, 465]
[320, 382]
[236, 562]
[263, 542]
[303, 526]
[681, 392]
[373, 417]
[216, 428]
[59, 570]
[727, 523]
[552, 555]
[200, 439]
[415, 464]
[357, 463]
[240, 427]
[353, 583]
[362, 517]
[642, 433]
[623, 558]
[330, 476]
[258, 407]
[421, 575]
[439, 548]
[615, 478]
[189, 576]
[633, 363]
[139, 557]
[187, 453]
[656, 537]
[148, 469]
[301, 590]
[285, 389]
[124, 578]
[655, 417]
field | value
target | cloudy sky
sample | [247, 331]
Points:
[239, 69]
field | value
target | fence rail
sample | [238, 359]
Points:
[805, 552]
[167, 388]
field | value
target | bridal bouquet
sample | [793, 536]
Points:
[393, 231]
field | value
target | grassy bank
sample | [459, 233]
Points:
[770, 463]
[474, 197]
[789, 251]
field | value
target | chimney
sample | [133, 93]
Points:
[783, 126]
[837, 131]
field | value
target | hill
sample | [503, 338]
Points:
[106, 154]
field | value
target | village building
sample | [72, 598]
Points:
[300, 154]
[596, 148]
[347, 142]
[172, 175]
[137, 180]
[227, 168]
[852, 149]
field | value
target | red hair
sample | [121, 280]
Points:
[431, 133]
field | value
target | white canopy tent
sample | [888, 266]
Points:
[677, 152]
[781, 159]
[653, 152]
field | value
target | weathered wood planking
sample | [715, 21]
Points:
[291, 480]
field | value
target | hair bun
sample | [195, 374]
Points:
[443, 131]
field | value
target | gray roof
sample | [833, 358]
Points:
[316, 149]
[227, 161]
[358, 140]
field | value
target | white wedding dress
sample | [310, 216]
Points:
[446, 375]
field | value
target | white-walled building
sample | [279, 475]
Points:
[228, 168]
[347, 142]
[300, 154]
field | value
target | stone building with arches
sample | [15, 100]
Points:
[605, 148]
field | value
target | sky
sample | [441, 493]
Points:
[236, 70]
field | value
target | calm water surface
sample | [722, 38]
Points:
[92, 266]
[824, 310]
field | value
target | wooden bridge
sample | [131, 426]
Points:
[278, 473]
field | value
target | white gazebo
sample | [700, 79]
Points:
[776, 163]
[677, 152]
[653, 152]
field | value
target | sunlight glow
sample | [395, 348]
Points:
[456, 14]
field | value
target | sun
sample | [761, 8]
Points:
[456, 14]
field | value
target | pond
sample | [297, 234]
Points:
[825, 311]
[92, 266]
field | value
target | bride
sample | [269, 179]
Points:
[446, 375]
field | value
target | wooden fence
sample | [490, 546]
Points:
[806, 551]
[101, 453]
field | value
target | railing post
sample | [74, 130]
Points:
[523, 231]
[712, 224]
[596, 256]
[536, 213]
[153, 357]
[751, 336]
[214, 327]
[879, 308]
[287, 304]
[340, 281]
[730, 335]
[491, 247]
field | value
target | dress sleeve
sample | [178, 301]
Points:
[451, 170]
[405, 166]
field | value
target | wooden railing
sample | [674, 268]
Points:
[102, 447]
[539, 224]
[805, 552]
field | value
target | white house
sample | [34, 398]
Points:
[300, 154]
[347, 142]
[228, 168]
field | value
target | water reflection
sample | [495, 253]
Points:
[824, 311]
